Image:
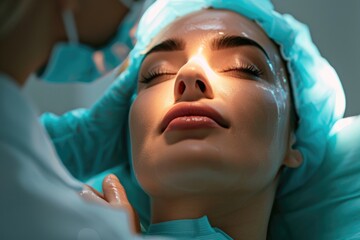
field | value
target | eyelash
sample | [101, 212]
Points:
[154, 74]
[243, 68]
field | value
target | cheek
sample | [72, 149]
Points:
[254, 143]
[255, 112]
[149, 107]
[140, 120]
[146, 114]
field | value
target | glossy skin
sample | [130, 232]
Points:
[202, 169]
[252, 148]
[113, 195]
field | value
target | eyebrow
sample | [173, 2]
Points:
[169, 45]
[219, 43]
[232, 41]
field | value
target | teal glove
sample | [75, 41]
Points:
[91, 141]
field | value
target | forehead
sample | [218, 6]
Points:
[208, 22]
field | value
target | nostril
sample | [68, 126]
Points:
[182, 87]
[201, 85]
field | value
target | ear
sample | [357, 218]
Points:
[293, 157]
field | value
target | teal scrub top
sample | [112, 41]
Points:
[198, 229]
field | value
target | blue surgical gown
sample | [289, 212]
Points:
[198, 229]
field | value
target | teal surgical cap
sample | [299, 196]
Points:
[318, 94]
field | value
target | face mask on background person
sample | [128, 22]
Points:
[74, 61]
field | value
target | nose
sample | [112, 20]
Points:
[192, 84]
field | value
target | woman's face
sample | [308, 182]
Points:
[212, 112]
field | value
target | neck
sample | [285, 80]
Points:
[241, 216]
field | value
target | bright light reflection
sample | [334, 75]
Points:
[341, 124]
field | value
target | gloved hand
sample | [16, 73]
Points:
[89, 141]
[114, 196]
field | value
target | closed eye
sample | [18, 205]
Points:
[244, 69]
[150, 76]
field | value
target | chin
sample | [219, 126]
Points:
[189, 166]
[182, 182]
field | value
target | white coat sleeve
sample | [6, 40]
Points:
[39, 198]
[36, 205]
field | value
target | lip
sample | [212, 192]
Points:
[193, 110]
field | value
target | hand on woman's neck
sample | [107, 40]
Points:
[241, 216]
